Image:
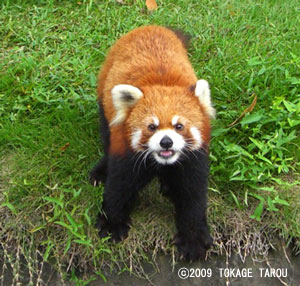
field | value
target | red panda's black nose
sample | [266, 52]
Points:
[166, 142]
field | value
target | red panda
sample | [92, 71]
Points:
[155, 122]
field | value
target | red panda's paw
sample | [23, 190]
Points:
[116, 232]
[98, 173]
[96, 178]
[192, 249]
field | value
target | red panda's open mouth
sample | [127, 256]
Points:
[166, 153]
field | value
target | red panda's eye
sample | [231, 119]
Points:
[179, 127]
[151, 127]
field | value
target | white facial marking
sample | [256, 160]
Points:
[135, 139]
[202, 91]
[197, 137]
[124, 96]
[155, 121]
[175, 120]
[178, 145]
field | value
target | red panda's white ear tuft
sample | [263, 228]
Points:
[202, 91]
[124, 96]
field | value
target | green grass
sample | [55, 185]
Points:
[50, 55]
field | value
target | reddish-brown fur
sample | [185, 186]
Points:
[154, 60]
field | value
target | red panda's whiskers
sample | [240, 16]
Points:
[144, 158]
[154, 164]
[201, 151]
[139, 156]
[189, 144]
[178, 162]
[190, 141]
[183, 154]
[191, 152]
[190, 148]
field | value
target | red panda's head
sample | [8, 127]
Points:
[165, 122]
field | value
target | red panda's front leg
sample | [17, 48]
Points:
[187, 187]
[99, 173]
[121, 189]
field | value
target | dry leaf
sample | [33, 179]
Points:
[63, 148]
[248, 109]
[151, 5]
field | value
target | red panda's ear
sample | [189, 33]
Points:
[202, 91]
[124, 96]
